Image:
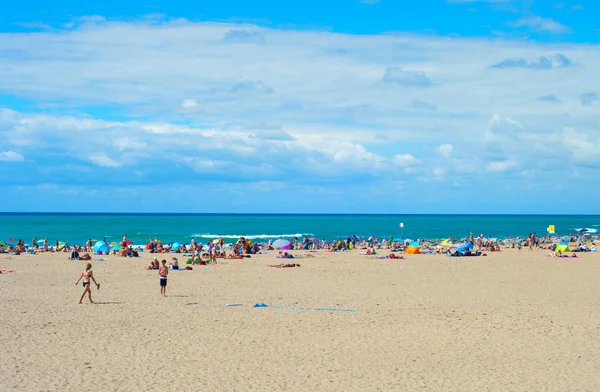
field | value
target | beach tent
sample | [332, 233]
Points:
[413, 249]
[464, 247]
[562, 247]
[101, 246]
[175, 246]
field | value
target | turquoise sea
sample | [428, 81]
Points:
[76, 228]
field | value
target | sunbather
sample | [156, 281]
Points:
[282, 265]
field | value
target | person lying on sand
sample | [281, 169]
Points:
[559, 254]
[282, 265]
[370, 251]
[394, 256]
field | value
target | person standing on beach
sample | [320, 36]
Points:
[87, 275]
[163, 271]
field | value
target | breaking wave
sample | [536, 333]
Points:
[251, 236]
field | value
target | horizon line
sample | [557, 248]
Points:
[287, 213]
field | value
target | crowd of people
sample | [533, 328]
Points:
[244, 247]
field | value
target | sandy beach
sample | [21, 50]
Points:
[511, 321]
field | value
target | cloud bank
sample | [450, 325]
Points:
[127, 104]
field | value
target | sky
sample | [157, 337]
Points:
[343, 106]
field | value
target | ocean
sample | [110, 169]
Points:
[76, 228]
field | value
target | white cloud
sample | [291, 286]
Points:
[296, 104]
[481, 1]
[100, 159]
[251, 86]
[189, 103]
[537, 23]
[243, 36]
[444, 150]
[11, 156]
[92, 19]
[405, 160]
[406, 77]
[501, 166]
[125, 143]
[543, 62]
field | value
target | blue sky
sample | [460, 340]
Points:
[342, 106]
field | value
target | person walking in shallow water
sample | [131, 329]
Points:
[87, 275]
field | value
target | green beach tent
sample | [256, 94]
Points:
[563, 248]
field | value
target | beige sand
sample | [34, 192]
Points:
[513, 321]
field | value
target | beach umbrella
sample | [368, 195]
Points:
[281, 243]
[3, 243]
[40, 242]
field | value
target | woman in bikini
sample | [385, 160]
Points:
[86, 276]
